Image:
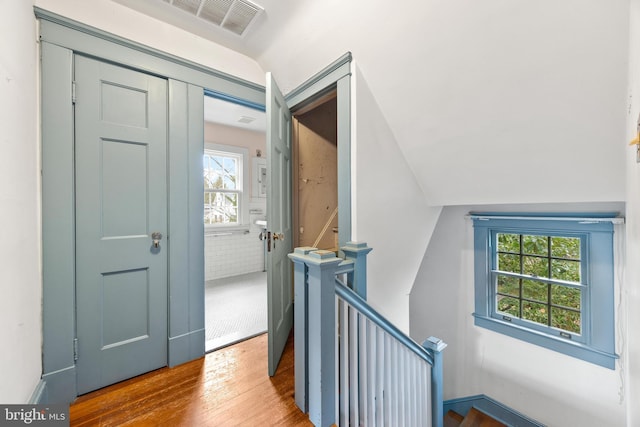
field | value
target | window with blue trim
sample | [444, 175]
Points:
[548, 280]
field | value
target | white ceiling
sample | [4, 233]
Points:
[231, 114]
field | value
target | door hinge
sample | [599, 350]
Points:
[73, 92]
[75, 349]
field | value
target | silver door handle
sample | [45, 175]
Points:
[156, 236]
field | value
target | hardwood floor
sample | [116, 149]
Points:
[229, 387]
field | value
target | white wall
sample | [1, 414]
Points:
[389, 209]
[20, 264]
[474, 91]
[514, 84]
[550, 387]
[122, 21]
[631, 299]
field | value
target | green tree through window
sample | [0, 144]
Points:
[543, 282]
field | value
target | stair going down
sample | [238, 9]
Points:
[474, 418]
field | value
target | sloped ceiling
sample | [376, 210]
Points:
[494, 101]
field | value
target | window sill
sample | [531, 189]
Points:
[570, 348]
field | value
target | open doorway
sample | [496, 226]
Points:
[234, 167]
[315, 174]
[324, 110]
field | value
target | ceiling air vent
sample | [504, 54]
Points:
[232, 15]
[246, 119]
[190, 6]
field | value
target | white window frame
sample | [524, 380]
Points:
[242, 185]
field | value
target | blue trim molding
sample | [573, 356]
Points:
[234, 100]
[39, 395]
[320, 82]
[490, 407]
[82, 38]
[596, 343]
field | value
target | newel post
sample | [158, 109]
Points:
[300, 331]
[435, 346]
[357, 251]
[322, 266]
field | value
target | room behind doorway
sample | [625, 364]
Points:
[235, 211]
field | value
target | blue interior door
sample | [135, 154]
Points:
[121, 200]
[279, 290]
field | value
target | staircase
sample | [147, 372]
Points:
[474, 418]
[355, 368]
[481, 410]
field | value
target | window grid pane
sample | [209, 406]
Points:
[525, 297]
[533, 300]
[221, 172]
[220, 208]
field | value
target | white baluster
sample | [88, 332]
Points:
[362, 351]
[380, 376]
[382, 381]
[416, 389]
[354, 413]
[394, 386]
[427, 397]
[371, 373]
[421, 394]
[407, 388]
[388, 366]
[344, 362]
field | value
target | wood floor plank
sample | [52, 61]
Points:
[229, 387]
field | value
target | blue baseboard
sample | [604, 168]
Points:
[39, 395]
[491, 407]
[60, 386]
[187, 347]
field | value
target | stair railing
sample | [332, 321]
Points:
[352, 366]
